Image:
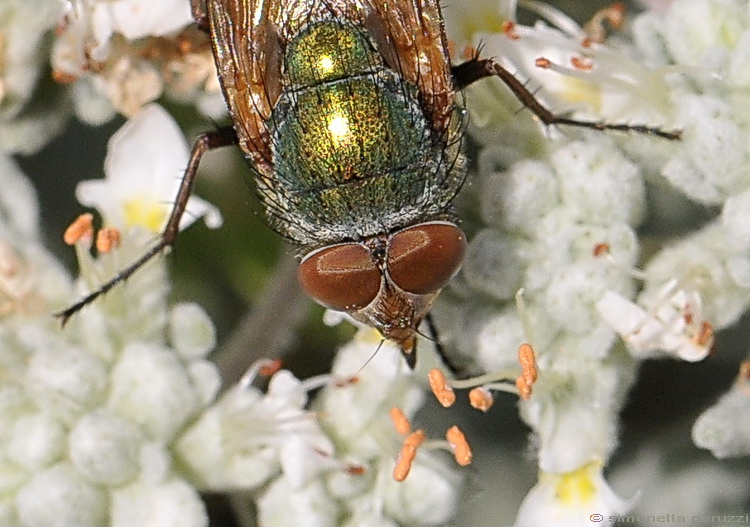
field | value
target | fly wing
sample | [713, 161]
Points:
[249, 39]
[411, 37]
[248, 52]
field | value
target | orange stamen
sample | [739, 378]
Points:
[63, 77]
[600, 249]
[81, 228]
[528, 363]
[706, 335]
[481, 399]
[461, 448]
[400, 421]
[271, 367]
[440, 388]
[345, 382]
[581, 63]
[524, 389]
[407, 454]
[107, 239]
[355, 470]
[509, 29]
[616, 15]
[542, 62]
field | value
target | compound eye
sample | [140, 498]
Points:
[423, 258]
[341, 277]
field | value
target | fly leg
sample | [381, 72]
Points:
[476, 69]
[207, 141]
[445, 358]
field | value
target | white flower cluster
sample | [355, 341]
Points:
[559, 213]
[89, 413]
[113, 420]
[119, 55]
[354, 415]
[107, 57]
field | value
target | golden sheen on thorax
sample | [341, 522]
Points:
[326, 52]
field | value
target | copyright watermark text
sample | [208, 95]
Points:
[671, 519]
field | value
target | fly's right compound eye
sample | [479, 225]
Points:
[424, 257]
[342, 277]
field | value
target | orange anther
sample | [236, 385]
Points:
[81, 228]
[509, 29]
[481, 399]
[524, 388]
[616, 15]
[706, 335]
[581, 63]
[107, 239]
[461, 448]
[400, 421]
[528, 363]
[63, 77]
[600, 249]
[440, 388]
[270, 367]
[407, 454]
[355, 470]
[542, 62]
[346, 382]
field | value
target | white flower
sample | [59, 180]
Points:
[573, 409]
[247, 437]
[121, 55]
[572, 499]
[285, 505]
[672, 324]
[171, 502]
[359, 488]
[724, 429]
[135, 19]
[693, 489]
[353, 410]
[89, 414]
[145, 162]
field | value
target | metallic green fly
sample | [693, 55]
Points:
[346, 111]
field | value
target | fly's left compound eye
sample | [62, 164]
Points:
[341, 277]
[423, 258]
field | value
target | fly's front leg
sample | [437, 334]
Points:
[204, 143]
[475, 69]
[445, 358]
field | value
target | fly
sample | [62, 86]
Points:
[346, 112]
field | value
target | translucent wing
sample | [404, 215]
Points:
[411, 37]
[248, 50]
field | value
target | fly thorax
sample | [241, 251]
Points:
[353, 151]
